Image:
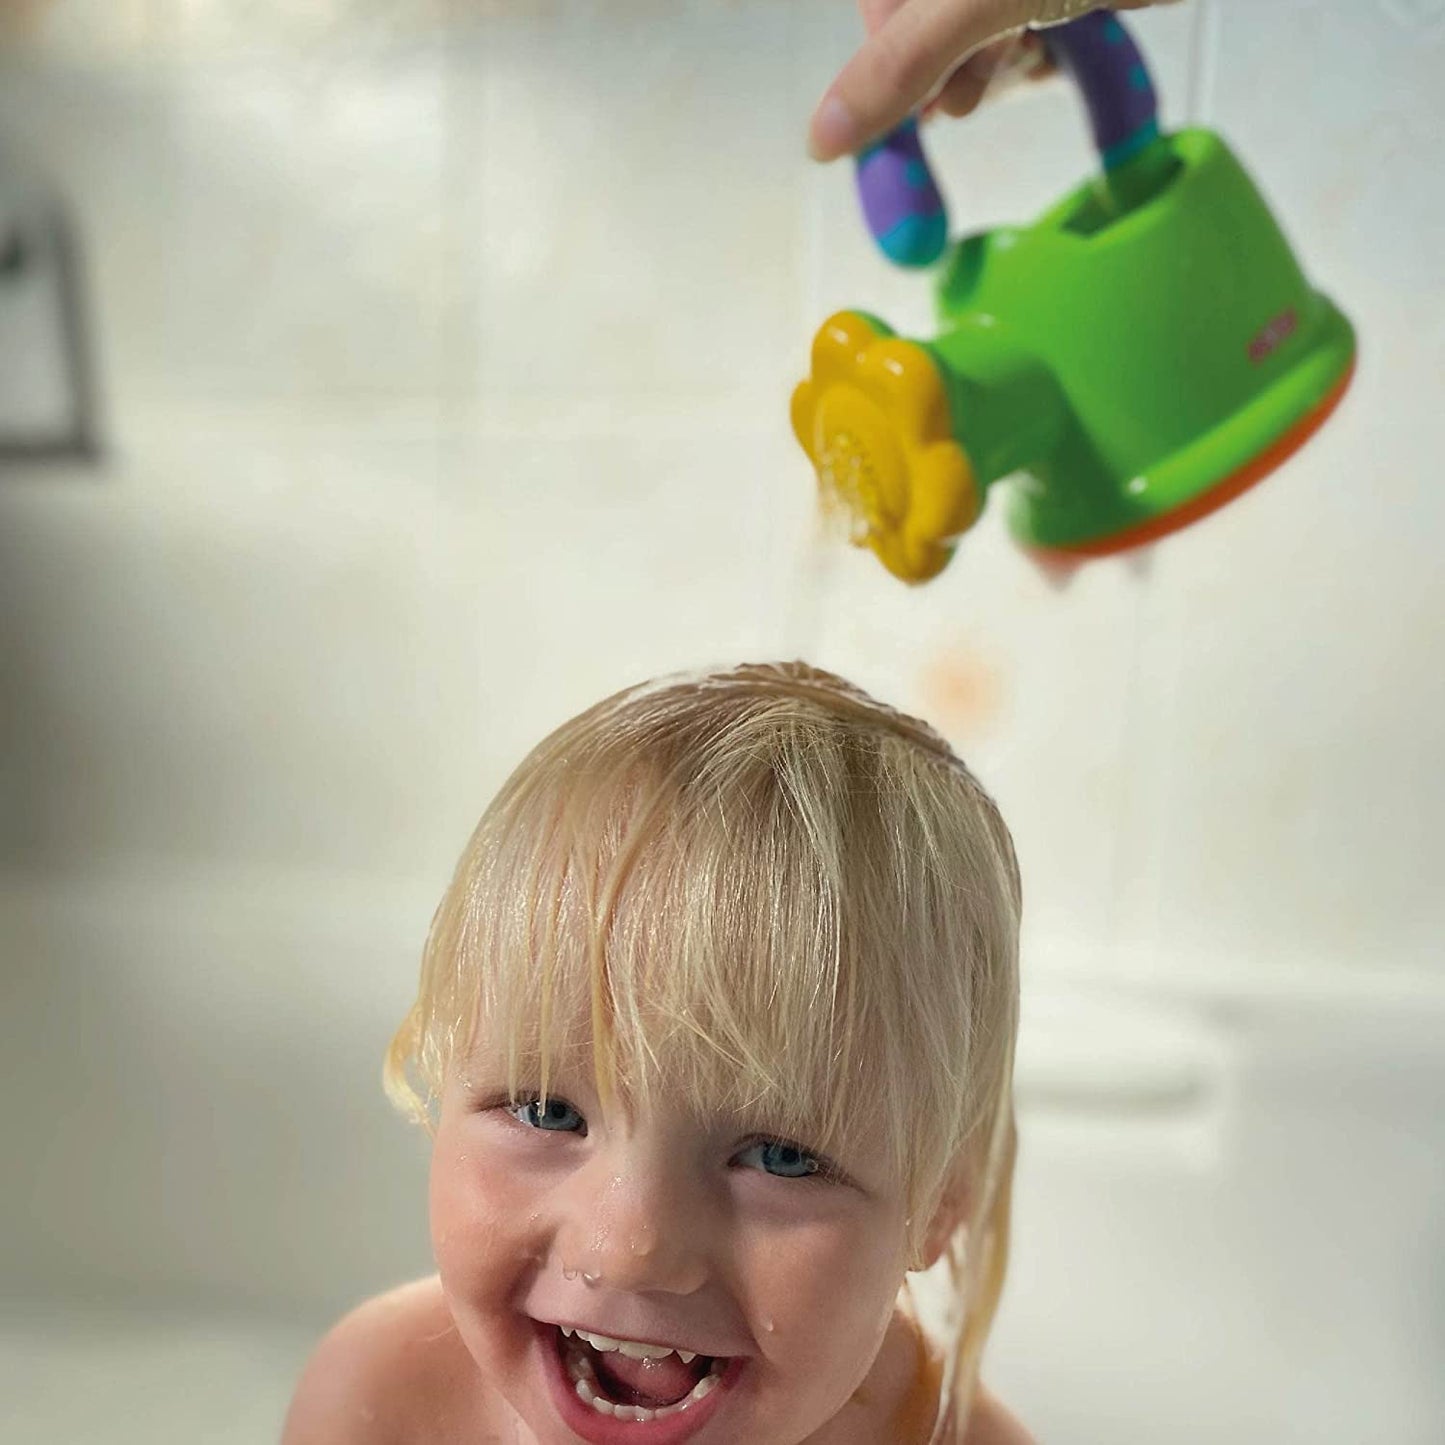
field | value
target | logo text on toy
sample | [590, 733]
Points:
[1278, 330]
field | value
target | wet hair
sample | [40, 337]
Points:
[757, 891]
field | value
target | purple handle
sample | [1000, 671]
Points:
[901, 200]
[1109, 70]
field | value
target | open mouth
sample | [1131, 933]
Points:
[611, 1390]
[636, 1382]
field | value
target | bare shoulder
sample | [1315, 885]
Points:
[990, 1423]
[390, 1372]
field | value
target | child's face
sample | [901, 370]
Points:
[668, 1230]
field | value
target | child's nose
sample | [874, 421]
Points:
[637, 1229]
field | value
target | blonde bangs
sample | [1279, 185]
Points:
[761, 895]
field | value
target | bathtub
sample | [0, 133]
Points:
[1230, 1220]
[143, 1374]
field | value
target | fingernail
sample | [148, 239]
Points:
[833, 131]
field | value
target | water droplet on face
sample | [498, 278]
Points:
[591, 1278]
[568, 1272]
[767, 1326]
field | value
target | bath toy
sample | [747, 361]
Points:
[1134, 359]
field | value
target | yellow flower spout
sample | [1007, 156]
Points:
[874, 420]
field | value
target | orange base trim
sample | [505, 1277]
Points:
[1217, 496]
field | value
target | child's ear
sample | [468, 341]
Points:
[951, 1212]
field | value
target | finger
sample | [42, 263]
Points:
[964, 90]
[896, 69]
[998, 67]
[877, 13]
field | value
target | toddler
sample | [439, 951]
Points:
[714, 1036]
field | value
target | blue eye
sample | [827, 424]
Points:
[554, 1115]
[786, 1161]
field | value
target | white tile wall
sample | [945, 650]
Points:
[590, 564]
[446, 350]
[637, 173]
[220, 645]
[305, 255]
[270, 25]
[102, 133]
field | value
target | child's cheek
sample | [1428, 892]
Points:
[477, 1217]
[483, 1255]
[829, 1294]
[448, 1204]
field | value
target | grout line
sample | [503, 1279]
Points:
[181, 897]
[637, 416]
[1231, 985]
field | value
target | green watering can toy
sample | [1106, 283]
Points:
[1136, 358]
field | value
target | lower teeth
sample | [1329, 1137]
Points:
[584, 1381]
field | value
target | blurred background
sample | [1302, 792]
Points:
[382, 382]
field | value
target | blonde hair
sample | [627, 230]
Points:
[770, 893]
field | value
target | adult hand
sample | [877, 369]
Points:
[948, 52]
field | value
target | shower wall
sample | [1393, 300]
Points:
[444, 350]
